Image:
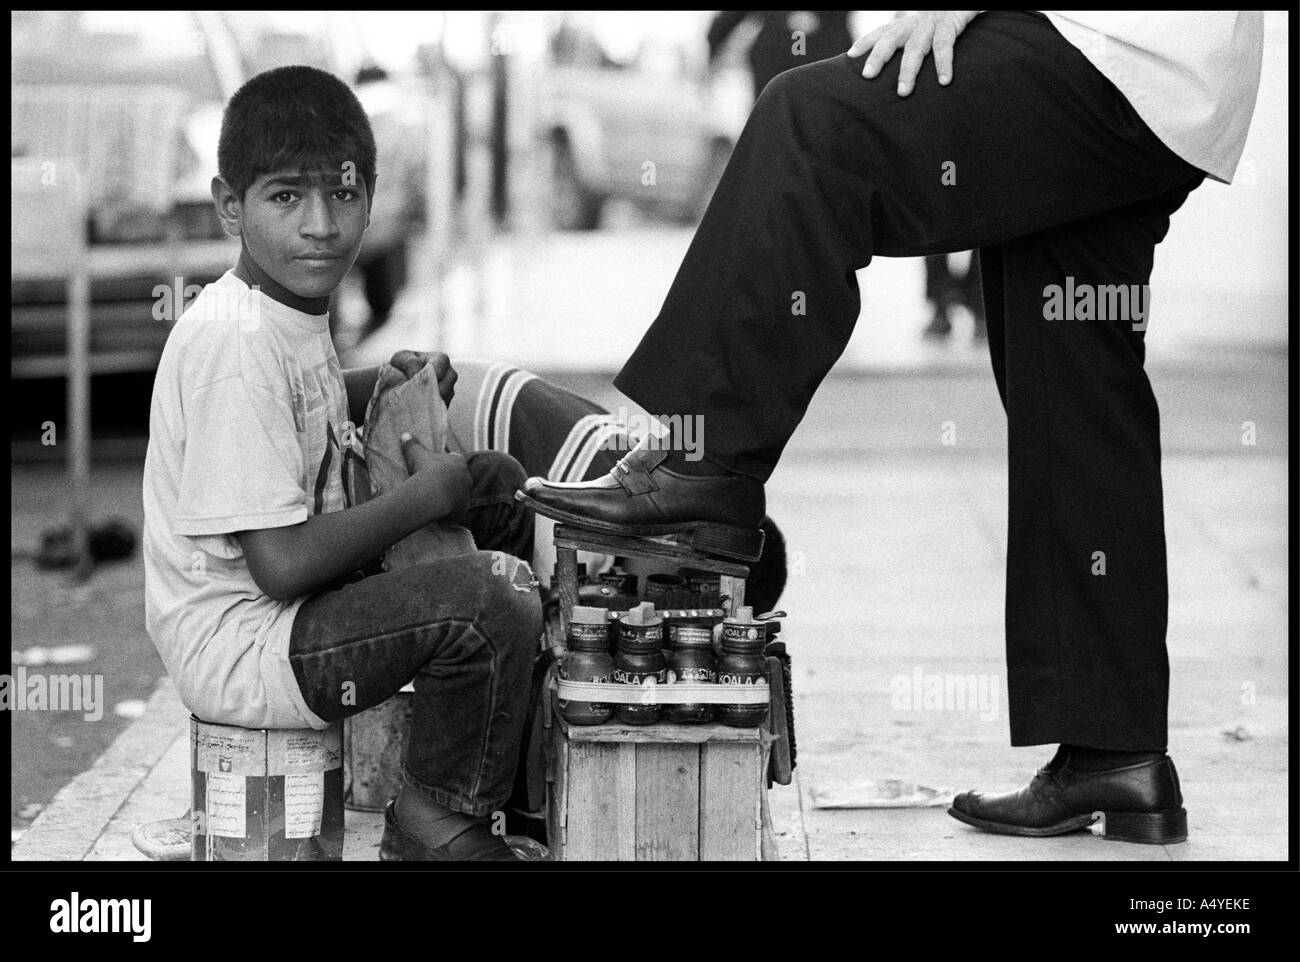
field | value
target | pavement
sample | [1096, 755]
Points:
[897, 545]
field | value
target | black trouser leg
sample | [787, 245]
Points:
[831, 170]
[1087, 593]
[1032, 154]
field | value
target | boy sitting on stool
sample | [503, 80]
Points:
[253, 554]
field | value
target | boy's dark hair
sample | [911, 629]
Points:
[767, 575]
[293, 118]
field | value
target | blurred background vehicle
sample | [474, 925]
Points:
[123, 99]
[647, 128]
[135, 102]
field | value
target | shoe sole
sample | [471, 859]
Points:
[706, 537]
[1149, 828]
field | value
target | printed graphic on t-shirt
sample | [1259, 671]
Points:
[319, 409]
[323, 474]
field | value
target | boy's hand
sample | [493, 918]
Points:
[443, 481]
[411, 363]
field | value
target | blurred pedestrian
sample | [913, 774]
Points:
[785, 39]
[945, 290]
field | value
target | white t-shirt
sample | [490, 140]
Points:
[1192, 76]
[246, 430]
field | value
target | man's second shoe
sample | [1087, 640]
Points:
[641, 497]
[1134, 803]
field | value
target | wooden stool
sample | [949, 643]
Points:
[654, 792]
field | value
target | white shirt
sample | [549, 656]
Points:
[246, 431]
[1192, 76]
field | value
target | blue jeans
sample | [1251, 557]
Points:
[465, 628]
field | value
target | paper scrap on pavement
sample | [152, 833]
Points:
[879, 793]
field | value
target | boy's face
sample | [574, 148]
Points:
[302, 228]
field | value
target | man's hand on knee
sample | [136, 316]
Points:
[918, 34]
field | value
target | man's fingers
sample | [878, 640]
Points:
[880, 54]
[945, 35]
[918, 45]
[866, 41]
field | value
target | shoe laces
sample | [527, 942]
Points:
[1045, 783]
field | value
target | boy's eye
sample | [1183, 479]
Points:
[289, 196]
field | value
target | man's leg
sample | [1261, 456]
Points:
[830, 171]
[833, 169]
[562, 436]
[1087, 594]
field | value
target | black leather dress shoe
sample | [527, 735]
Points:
[714, 514]
[1135, 803]
[471, 845]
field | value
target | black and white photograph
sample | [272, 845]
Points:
[573, 440]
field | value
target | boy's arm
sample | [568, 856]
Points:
[295, 560]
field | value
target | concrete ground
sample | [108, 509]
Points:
[896, 545]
